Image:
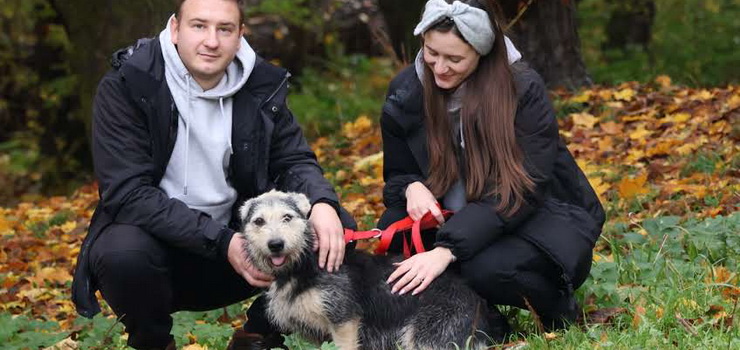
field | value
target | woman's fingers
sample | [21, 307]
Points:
[437, 213]
[400, 271]
[425, 282]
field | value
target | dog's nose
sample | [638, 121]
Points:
[275, 245]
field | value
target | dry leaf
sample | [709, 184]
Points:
[632, 187]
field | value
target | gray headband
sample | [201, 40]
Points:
[473, 23]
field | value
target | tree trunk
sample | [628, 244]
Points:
[547, 37]
[630, 24]
[401, 18]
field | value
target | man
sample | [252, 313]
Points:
[186, 127]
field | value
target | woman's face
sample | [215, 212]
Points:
[450, 58]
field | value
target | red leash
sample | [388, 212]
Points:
[386, 236]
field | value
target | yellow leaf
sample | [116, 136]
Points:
[599, 186]
[551, 336]
[661, 148]
[195, 347]
[360, 126]
[5, 226]
[659, 312]
[624, 94]
[641, 133]
[686, 149]
[582, 97]
[631, 187]
[585, 120]
[703, 95]
[678, 118]
[68, 226]
[734, 101]
[368, 162]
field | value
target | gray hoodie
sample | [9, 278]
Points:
[197, 172]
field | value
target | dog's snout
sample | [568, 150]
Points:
[276, 245]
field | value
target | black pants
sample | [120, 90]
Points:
[145, 280]
[508, 272]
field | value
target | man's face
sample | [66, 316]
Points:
[207, 34]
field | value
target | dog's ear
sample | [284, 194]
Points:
[301, 202]
[245, 212]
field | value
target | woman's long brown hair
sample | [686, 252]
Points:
[493, 159]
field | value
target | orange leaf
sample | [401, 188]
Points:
[637, 318]
[585, 120]
[663, 80]
[631, 187]
[612, 128]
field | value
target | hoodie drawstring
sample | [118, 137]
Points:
[227, 127]
[187, 135]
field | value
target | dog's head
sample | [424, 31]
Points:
[276, 230]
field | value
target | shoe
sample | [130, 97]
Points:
[563, 314]
[242, 340]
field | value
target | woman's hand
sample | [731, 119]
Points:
[419, 201]
[418, 271]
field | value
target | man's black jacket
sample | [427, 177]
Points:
[134, 131]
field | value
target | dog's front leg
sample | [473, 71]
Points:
[346, 335]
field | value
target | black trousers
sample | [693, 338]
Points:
[145, 280]
[508, 272]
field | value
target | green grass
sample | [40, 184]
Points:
[660, 271]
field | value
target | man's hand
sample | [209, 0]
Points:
[417, 272]
[329, 234]
[419, 201]
[238, 260]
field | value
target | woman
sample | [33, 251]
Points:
[470, 127]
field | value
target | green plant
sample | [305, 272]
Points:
[347, 87]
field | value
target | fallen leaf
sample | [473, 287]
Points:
[637, 316]
[585, 120]
[64, 344]
[663, 80]
[632, 187]
[625, 94]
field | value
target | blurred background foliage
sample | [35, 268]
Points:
[695, 42]
[53, 52]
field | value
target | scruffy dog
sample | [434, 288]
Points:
[354, 306]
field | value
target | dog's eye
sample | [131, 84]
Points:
[259, 221]
[287, 217]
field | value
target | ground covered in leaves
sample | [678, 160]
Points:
[664, 159]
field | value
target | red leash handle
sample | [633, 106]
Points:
[386, 236]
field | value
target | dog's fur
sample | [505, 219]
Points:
[354, 306]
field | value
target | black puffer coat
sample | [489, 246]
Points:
[563, 197]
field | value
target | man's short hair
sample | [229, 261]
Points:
[239, 3]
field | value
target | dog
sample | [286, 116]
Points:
[354, 306]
